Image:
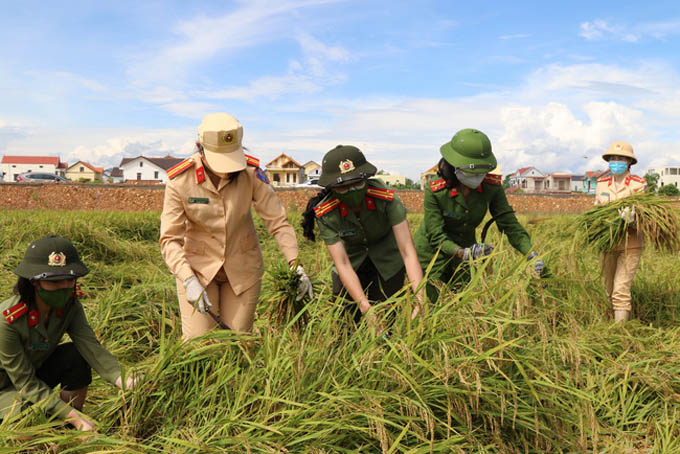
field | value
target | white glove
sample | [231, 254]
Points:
[627, 214]
[476, 251]
[305, 285]
[539, 265]
[197, 295]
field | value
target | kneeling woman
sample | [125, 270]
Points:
[32, 360]
[457, 203]
[364, 227]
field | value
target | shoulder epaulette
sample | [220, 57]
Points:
[603, 179]
[179, 168]
[326, 207]
[251, 161]
[493, 178]
[14, 312]
[385, 194]
[638, 179]
[437, 185]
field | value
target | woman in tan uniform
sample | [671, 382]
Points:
[208, 238]
[619, 266]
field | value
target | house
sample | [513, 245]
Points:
[428, 175]
[528, 179]
[284, 171]
[578, 183]
[591, 178]
[391, 180]
[667, 175]
[148, 170]
[558, 183]
[312, 171]
[83, 171]
[114, 175]
[12, 166]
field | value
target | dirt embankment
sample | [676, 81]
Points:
[135, 198]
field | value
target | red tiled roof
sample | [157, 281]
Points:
[297, 164]
[523, 170]
[595, 174]
[50, 160]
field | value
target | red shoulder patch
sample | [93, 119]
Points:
[179, 168]
[638, 179]
[493, 178]
[252, 161]
[14, 312]
[437, 185]
[385, 194]
[33, 318]
[326, 207]
[603, 179]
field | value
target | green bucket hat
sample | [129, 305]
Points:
[51, 259]
[470, 151]
[343, 164]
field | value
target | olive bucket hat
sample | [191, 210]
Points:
[51, 259]
[343, 164]
[470, 151]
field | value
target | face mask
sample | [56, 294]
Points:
[56, 299]
[472, 181]
[353, 197]
[618, 167]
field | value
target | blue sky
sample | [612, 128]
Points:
[551, 83]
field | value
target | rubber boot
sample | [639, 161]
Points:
[621, 316]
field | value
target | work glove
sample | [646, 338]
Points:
[627, 214]
[539, 266]
[197, 295]
[476, 251]
[305, 285]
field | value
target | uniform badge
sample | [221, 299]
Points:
[346, 166]
[228, 138]
[33, 318]
[200, 175]
[56, 259]
[261, 175]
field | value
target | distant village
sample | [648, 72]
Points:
[284, 171]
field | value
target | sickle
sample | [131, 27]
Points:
[485, 229]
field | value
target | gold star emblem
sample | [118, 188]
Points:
[56, 259]
[346, 166]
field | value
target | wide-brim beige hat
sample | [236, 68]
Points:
[620, 149]
[221, 136]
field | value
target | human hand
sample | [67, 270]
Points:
[476, 251]
[131, 381]
[197, 295]
[539, 266]
[627, 214]
[305, 284]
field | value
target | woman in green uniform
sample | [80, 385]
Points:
[365, 230]
[456, 204]
[32, 360]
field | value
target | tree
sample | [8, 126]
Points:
[506, 181]
[669, 189]
[652, 181]
[410, 184]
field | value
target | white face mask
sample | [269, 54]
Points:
[470, 180]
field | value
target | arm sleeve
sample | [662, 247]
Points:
[396, 211]
[328, 234]
[508, 223]
[435, 226]
[270, 209]
[21, 372]
[87, 344]
[173, 227]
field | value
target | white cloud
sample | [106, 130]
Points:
[515, 36]
[602, 29]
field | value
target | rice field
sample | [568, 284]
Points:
[511, 364]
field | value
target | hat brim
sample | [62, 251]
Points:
[457, 160]
[362, 172]
[72, 272]
[233, 161]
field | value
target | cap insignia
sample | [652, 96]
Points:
[228, 138]
[346, 166]
[56, 259]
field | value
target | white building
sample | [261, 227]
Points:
[558, 183]
[529, 179]
[667, 175]
[578, 183]
[11, 166]
[391, 180]
[312, 171]
[147, 170]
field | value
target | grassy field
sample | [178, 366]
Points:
[510, 365]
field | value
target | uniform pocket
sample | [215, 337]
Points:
[194, 246]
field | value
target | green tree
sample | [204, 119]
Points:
[652, 181]
[506, 181]
[669, 189]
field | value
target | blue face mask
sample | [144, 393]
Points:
[618, 167]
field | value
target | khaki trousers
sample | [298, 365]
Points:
[237, 311]
[618, 268]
